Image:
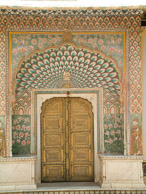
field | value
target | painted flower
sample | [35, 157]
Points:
[21, 134]
[81, 40]
[40, 45]
[18, 140]
[112, 133]
[103, 47]
[26, 120]
[22, 50]
[15, 40]
[26, 134]
[28, 36]
[44, 40]
[13, 128]
[118, 132]
[115, 125]
[94, 45]
[120, 51]
[23, 142]
[39, 39]
[14, 51]
[28, 128]
[20, 118]
[90, 40]
[110, 141]
[119, 40]
[105, 126]
[23, 127]
[31, 47]
[33, 41]
[95, 39]
[28, 142]
[115, 139]
[49, 36]
[49, 41]
[112, 49]
[15, 134]
[107, 118]
[18, 127]
[100, 41]
[54, 40]
[13, 141]
[118, 120]
[110, 126]
[59, 38]
[75, 39]
[107, 133]
[22, 41]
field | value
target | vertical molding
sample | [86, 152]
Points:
[143, 55]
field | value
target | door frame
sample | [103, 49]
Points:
[95, 96]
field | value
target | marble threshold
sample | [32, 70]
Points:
[69, 187]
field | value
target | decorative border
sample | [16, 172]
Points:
[71, 11]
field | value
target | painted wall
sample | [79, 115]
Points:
[87, 68]
[110, 39]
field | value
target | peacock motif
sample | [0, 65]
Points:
[87, 69]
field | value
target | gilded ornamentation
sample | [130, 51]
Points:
[67, 36]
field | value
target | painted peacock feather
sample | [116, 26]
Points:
[87, 69]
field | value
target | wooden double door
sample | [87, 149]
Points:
[67, 140]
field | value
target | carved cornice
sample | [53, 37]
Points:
[17, 159]
[119, 157]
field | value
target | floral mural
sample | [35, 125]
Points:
[21, 134]
[24, 44]
[110, 44]
[113, 133]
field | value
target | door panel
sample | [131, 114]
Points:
[81, 173]
[81, 144]
[67, 140]
[53, 140]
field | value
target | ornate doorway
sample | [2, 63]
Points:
[67, 140]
